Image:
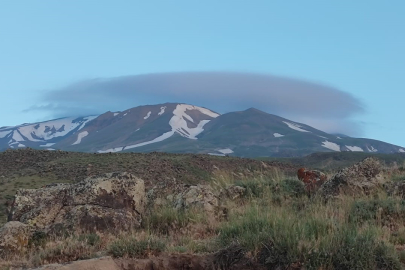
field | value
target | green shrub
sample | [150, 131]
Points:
[367, 210]
[293, 187]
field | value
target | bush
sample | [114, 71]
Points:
[293, 187]
[376, 209]
[164, 219]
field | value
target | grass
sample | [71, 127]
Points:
[133, 248]
[275, 224]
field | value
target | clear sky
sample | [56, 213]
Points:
[357, 47]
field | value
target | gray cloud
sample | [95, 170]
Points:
[321, 106]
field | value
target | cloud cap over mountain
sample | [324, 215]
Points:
[321, 106]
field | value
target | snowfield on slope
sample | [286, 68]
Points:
[295, 126]
[3, 134]
[80, 136]
[225, 151]
[278, 135]
[354, 148]
[162, 110]
[178, 124]
[47, 145]
[331, 145]
[147, 115]
[372, 149]
[51, 129]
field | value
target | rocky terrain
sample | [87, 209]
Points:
[207, 213]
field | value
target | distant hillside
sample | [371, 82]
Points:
[183, 128]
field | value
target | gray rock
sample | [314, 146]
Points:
[360, 178]
[202, 196]
[113, 201]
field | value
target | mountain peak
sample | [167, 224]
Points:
[184, 128]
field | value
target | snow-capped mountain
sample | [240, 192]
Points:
[184, 128]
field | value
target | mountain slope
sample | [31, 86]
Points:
[183, 128]
[256, 133]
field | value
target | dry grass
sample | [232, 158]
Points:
[276, 223]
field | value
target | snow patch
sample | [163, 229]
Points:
[354, 148]
[111, 150]
[278, 135]
[17, 136]
[371, 149]
[80, 136]
[331, 145]
[215, 154]
[148, 115]
[3, 134]
[178, 124]
[225, 151]
[51, 129]
[21, 145]
[47, 145]
[401, 150]
[162, 137]
[86, 120]
[115, 114]
[295, 126]
[125, 114]
[162, 110]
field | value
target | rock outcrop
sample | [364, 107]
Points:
[202, 196]
[14, 237]
[110, 202]
[360, 178]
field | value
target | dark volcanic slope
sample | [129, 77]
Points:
[253, 133]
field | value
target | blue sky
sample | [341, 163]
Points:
[355, 47]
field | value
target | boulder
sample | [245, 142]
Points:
[202, 196]
[110, 202]
[14, 237]
[360, 178]
[312, 179]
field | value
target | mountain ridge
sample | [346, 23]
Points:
[185, 128]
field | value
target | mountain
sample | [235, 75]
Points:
[183, 128]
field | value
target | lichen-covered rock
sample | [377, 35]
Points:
[202, 196]
[14, 237]
[113, 201]
[360, 178]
